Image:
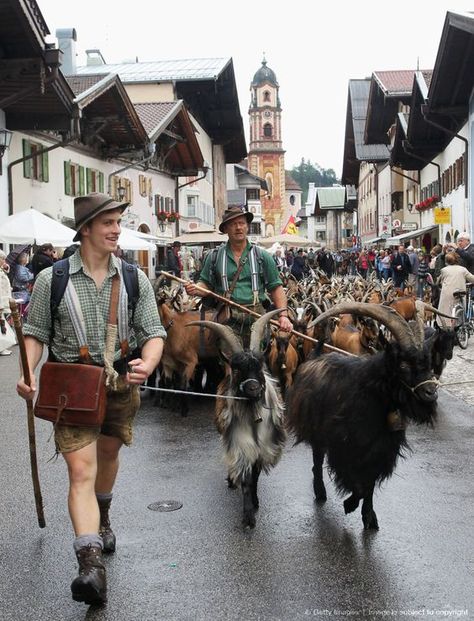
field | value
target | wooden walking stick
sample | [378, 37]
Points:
[249, 311]
[31, 420]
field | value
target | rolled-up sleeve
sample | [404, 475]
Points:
[146, 322]
[38, 323]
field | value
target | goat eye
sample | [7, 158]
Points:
[404, 366]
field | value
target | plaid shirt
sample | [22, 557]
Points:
[95, 309]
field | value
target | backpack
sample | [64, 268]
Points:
[61, 276]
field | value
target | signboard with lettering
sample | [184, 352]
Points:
[410, 226]
[442, 215]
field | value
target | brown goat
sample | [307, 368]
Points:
[355, 341]
[184, 347]
[404, 305]
[282, 359]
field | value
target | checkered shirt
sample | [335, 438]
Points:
[95, 309]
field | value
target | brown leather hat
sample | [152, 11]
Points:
[88, 207]
[232, 213]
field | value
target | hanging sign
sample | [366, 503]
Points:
[442, 215]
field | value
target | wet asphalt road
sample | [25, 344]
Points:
[301, 561]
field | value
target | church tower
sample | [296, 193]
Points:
[266, 157]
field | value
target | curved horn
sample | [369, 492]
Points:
[258, 327]
[384, 314]
[419, 324]
[435, 310]
[223, 332]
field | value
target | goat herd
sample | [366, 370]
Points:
[351, 407]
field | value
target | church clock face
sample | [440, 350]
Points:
[267, 113]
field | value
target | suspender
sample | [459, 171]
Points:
[253, 272]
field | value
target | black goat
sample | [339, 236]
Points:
[354, 410]
[252, 427]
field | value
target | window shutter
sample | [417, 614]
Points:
[44, 175]
[150, 188]
[171, 204]
[67, 179]
[89, 180]
[101, 182]
[81, 180]
[167, 204]
[27, 163]
[157, 204]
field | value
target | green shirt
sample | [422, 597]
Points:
[95, 309]
[242, 293]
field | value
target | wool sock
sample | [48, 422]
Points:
[104, 497]
[94, 540]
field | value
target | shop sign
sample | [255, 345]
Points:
[410, 226]
[442, 215]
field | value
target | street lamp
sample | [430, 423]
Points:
[121, 191]
[410, 207]
[5, 140]
[162, 225]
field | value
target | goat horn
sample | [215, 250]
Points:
[258, 327]
[435, 310]
[419, 324]
[224, 332]
[384, 314]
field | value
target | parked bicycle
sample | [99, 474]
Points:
[463, 314]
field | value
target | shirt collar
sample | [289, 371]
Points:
[76, 264]
[244, 253]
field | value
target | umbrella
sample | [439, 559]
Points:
[33, 227]
[13, 255]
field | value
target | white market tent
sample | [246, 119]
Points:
[33, 227]
[201, 237]
[288, 240]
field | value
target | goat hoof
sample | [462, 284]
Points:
[248, 522]
[230, 483]
[370, 521]
[320, 492]
[351, 504]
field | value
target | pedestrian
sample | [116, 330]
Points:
[174, 264]
[401, 267]
[363, 264]
[6, 333]
[44, 257]
[326, 262]
[91, 453]
[453, 278]
[299, 268]
[243, 273]
[22, 277]
[465, 250]
[423, 271]
[311, 258]
[279, 260]
[386, 265]
[414, 262]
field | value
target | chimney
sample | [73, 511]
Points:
[67, 38]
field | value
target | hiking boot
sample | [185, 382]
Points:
[90, 585]
[105, 530]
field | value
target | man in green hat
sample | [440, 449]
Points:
[243, 273]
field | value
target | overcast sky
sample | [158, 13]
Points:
[314, 49]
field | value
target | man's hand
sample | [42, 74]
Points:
[139, 371]
[192, 288]
[285, 324]
[25, 391]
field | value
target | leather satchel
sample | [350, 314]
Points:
[71, 394]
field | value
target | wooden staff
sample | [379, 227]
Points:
[244, 309]
[31, 420]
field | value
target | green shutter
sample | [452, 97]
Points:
[81, 181]
[44, 167]
[101, 182]
[89, 180]
[67, 179]
[27, 163]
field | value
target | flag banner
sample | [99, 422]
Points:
[290, 228]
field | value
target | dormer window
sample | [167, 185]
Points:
[267, 130]
[266, 96]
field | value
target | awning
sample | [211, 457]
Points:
[392, 241]
[374, 240]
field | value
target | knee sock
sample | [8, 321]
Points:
[104, 497]
[93, 539]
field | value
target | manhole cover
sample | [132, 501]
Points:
[165, 505]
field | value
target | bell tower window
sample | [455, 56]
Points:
[267, 130]
[266, 96]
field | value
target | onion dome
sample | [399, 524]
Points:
[264, 74]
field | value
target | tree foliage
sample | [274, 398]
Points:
[307, 172]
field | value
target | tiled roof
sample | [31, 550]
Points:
[359, 97]
[80, 83]
[290, 183]
[152, 114]
[398, 82]
[162, 70]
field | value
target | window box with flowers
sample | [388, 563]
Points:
[173, 216]
[427, 203]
